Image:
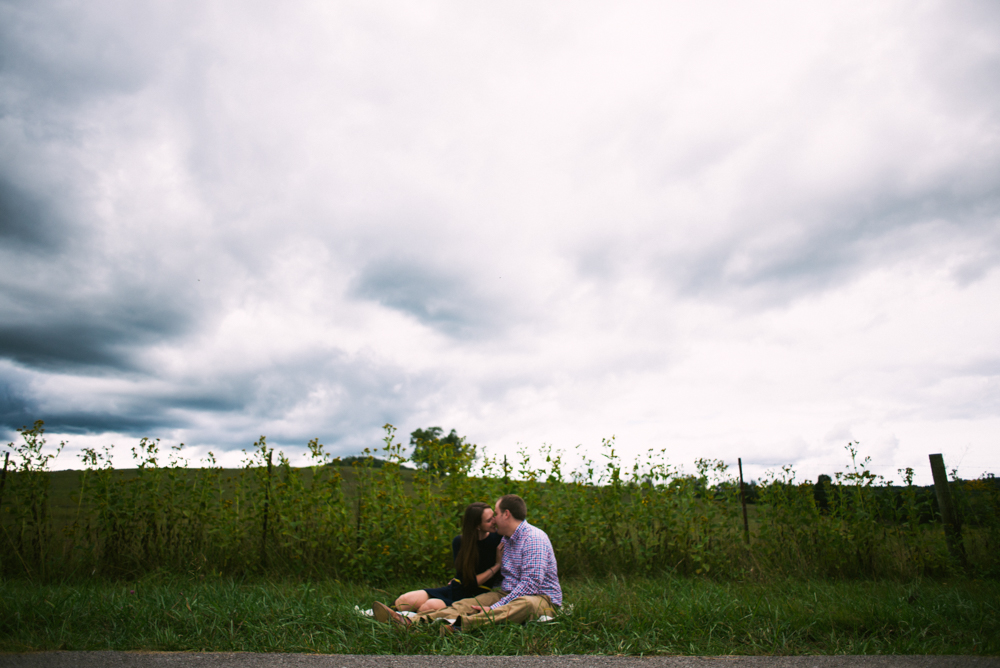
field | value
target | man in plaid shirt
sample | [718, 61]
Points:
[530, 587]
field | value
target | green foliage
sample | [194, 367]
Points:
[447, 455]
[375, 521]
[29, 534]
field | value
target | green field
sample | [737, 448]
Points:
[271, 557]
[607, 517]
[66, 505]
[633, 616]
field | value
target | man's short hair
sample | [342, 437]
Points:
[515, 505]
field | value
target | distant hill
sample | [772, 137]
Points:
[374, 462]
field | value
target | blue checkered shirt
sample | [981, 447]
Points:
[529, 566]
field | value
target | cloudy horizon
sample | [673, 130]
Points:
[724, 230]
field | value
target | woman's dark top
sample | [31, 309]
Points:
[487, 557]
[455, 590]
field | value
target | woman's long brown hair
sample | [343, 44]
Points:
[468, 553]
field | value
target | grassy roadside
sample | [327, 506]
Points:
[610, 616]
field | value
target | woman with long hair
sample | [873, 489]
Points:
[477, 555]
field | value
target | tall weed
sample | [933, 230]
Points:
[377, 521]
[28, 536]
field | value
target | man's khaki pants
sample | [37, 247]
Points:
[519, 610]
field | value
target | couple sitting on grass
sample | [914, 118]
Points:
[521, 584]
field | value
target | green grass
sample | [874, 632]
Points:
[611, 616]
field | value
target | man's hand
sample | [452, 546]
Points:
[479, 608]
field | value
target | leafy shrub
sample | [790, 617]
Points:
[374, 520]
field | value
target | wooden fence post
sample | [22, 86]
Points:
[743, 501]
[949, 516]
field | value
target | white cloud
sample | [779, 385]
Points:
[724, 229]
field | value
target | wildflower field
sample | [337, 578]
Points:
[274, 558]
[376, 521]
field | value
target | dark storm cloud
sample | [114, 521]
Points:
[437, 296]
[16, 408]
[327, 395]
[343, 179]
[49, 327]
[76, 304]
[140, 412]
[357, 395]
[823, 248]
[25, 221]
[132, 423]
[67, 303]
[914, 179]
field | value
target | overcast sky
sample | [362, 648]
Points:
[727, 229]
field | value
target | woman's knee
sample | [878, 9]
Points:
[432, 604]
[411, 600]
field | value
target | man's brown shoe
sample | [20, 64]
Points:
[384, 613]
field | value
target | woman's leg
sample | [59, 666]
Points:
[432, 604]
[412, 600]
